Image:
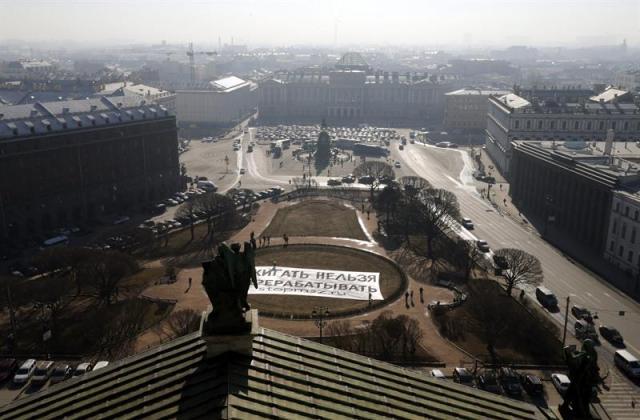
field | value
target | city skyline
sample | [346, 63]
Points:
[461, 23]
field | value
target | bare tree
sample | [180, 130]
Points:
[378, 172]
[342, 335]
[104, 271]
[388, 201]
[187, 211]
[413, 186]
[220, 211]
[467, 256]
[183, 322]
[522, 268]
[434, 216]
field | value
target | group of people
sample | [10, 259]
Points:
[266, 240]
[408, 297]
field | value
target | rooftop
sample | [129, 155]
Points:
[47, 117]
[477, 92]
[610, 95]
[352, 60]
[282, 377]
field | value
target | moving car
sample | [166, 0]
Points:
[561, 382]
[242, 171]
[43, 372]
[437, 373]
[462, 376]
[627, 363]
[397, 164]
[510, 381]
[546, 297]
[7, 368]
[82, 369]
[25, 372]
[367, 179]
[612, 335]
[60, 373]
[532, 384]
[483, 245]
[467, 223]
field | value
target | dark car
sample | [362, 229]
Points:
[349, 179]
[612, 335]
[582, 313]
[385, 179]
[367, 179]
[334, 182]
[532, 384]
[489, 382]
[462, 376]
[7, 368]
[510, 381]
[60, 373]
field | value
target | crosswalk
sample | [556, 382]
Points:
[622, 400]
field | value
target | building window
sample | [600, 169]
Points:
[539, 124]
[624, 230]
[620, 251]
[611, 249]
[529, 125]
[633, 236]
[552, 125]
[615, 227]
[613, 125]
[564, 125]
[635, 215]
[626, 211]
[630, 256]
[601, 125]
[517, 124]
[626, 125]
[617, 208]
[576, 125]
[588, 125]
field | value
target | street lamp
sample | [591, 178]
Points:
[319, 315]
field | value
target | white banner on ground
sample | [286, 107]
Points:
[275, 280]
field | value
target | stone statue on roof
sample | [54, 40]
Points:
[584, 376]
[226, 280]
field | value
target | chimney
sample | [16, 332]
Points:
[608, 146]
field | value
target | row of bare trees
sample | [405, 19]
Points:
[387, 337]
[219, 212]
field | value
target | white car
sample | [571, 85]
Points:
[437, 373]
[561, 382]
[101, 364]
[25, 372]
[82, 369]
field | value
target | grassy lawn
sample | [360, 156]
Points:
[527, 336]
[318, 256]
[316, 218]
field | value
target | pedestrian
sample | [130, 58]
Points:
[370, 300]
[363, 207]
[269, 240]
[252, 240]
[406, 299]
[368, 212]
[421, 296]
[505, 202]
[190, 280]
[411, 297]
[500, 187]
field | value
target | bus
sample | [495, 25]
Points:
[55, 241]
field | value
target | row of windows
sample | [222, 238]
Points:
[621, 253]
[623, 232]
[575, 125]
[636, 213]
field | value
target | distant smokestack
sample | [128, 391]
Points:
[608, 146]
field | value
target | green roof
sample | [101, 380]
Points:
[284, 377]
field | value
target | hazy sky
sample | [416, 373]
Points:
[287, 22]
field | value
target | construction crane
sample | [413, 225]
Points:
[192, 63]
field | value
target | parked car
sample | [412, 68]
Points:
[7, 368]
[462, 376]
[24, 373]
[532, 384]
[81, 369]
[467, 223]
[42, 373]
[397, 164]
[60, 373]
[437, 373]
[367, 179]
[561, 382]
[242, 171]
[612, 335]
[546, 297]
[483, 245]
[510, 381]
[334, 182]
[349, 179]
[488, 381]
[171, 202]
[582, 313]
[101, 364]
[585, 330]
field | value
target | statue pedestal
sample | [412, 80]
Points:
[237, 337]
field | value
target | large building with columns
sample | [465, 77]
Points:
[514, 117]
[351, 93]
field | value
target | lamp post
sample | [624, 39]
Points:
[319, 315]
